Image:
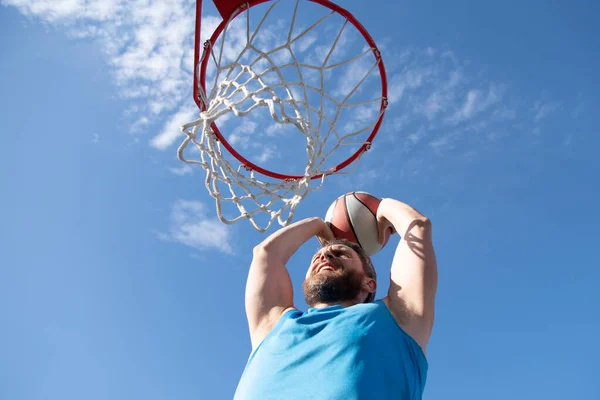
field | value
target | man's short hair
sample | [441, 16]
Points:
[364, 258]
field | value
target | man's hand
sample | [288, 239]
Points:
[325, 235]
[384, 227]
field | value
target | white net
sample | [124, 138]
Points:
[288, 71]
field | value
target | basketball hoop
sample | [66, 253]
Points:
[247, 79]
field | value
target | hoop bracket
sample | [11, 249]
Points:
[227, 7]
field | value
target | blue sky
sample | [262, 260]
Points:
[118, 282]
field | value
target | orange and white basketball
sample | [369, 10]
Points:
[353, 216]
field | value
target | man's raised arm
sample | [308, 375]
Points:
[414, 275]
[269, 291]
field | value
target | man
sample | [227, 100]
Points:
[345, 346]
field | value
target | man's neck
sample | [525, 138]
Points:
[341, 303]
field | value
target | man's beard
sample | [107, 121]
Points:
[332, 287]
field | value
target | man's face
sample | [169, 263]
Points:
[335, 275]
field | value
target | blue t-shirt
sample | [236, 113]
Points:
[335, 353]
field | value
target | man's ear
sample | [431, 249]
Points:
[370, 285]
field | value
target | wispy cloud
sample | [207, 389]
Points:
[191, 225]
[438, 105]
[542, 110]
[267, 154]
[242, 134]
[147, 44]
[409, 78]
[171, 130]
[442, 96]
[60, 10]
[350, 76]
[149, 47]
[368, 178]
[442, 144]
[474, 103]
[577, 110]
[579, 107]
[184, 170]
[504, 113]
[139, 124]
[445, 115]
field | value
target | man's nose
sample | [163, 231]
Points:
[326, 254]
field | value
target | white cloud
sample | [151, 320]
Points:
[239, 140]
[321, 51]
[433, 105]
[58, 10]
[365, 178]
[408, 79]
[267, 154]
[568, 139]
[184, 170]
[274, 129]
[242, 134]
[397, 124]
[474, 103]
[149, 46]
[305, 42]
[543, 110]
[504, 113]
[352, 75]
[145, 42]
[172, 128]
[139, 124]
[442, 97]
[579, 108]
[192, 226]
[441, 144]
[415, 138]
[235, 37]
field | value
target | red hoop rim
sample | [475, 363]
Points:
[251, 3]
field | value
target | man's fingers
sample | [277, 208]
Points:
[381, 228]
[326, 234]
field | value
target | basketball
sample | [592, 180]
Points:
[353, 216]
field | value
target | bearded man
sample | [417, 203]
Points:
[347, 345]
